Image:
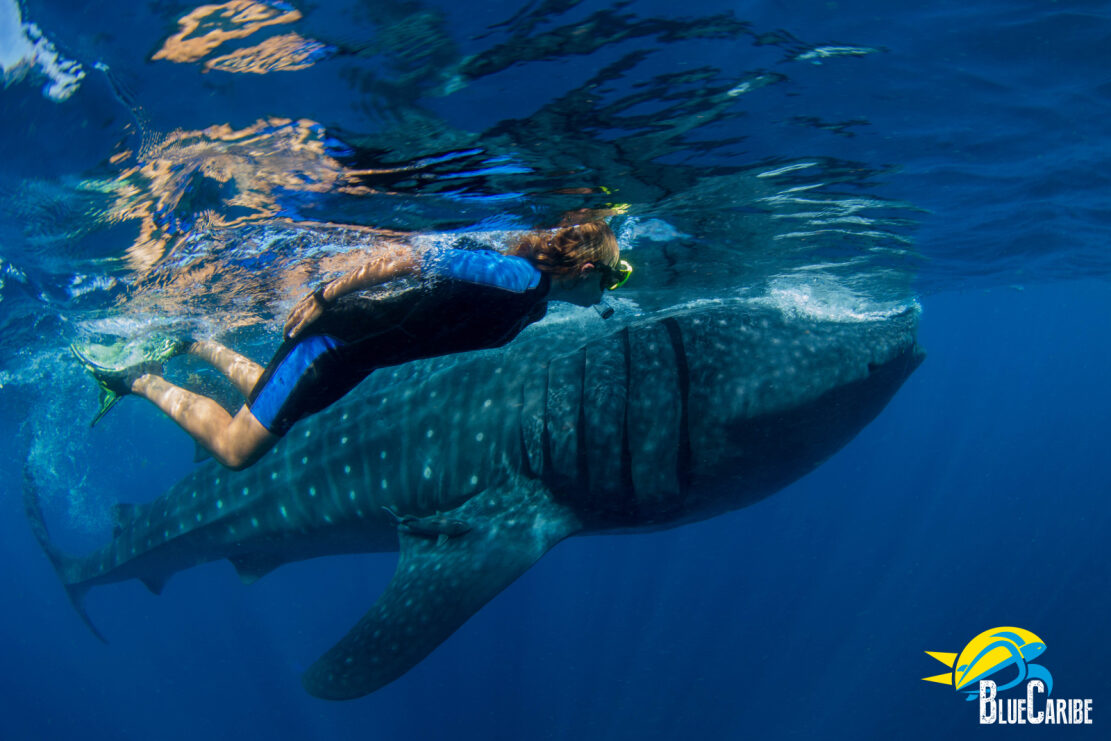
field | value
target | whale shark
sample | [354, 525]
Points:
[472, 467]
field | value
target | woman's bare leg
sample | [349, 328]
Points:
[237, 441]
[241, 371]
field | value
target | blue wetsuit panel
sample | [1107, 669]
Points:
[484, 268]
[277, 387]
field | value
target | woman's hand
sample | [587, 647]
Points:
[391, 262]
[307, 311]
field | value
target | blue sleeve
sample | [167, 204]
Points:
[482, 267]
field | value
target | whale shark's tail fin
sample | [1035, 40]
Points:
[63, 564]
[439, 583]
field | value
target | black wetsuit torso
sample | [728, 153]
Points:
[465, 301]
[424, 321]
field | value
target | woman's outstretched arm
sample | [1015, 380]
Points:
[395, 261]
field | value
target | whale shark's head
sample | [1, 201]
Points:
[772, 394]
[710, 406]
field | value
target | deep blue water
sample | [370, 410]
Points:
[976, 499]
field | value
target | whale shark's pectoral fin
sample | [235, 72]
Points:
[439, 584]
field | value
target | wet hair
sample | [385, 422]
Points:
[563, 251]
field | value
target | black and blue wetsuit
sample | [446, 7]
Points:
[468, 300]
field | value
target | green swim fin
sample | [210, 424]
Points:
[114, 379]
[106, 401]
[107, 396]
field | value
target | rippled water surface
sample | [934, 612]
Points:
[166, 167]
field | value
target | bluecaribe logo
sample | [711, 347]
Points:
[1002, 659]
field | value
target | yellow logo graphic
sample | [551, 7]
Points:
[999, 650]
[1001, 659]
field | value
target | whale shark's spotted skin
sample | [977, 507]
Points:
[673, 418]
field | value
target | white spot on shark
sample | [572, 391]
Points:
[219, 504]
[304, 460]
[273, 475]
[487, 403]
[284, 513]
[246, 491]
[194, 495]
[347, 470]
[474, 480]
[198, 517]
[428, 433]
[254, 522]
[382, 455]
[427, 472]
[308, 433]
[351, 495]
[343, 440]
[479, 437]
[312, 491]
[385, 484]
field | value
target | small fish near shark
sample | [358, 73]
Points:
[474, 466]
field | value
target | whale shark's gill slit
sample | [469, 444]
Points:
[626, 451]
[526, 464]
[564, 423]
[682, 371]
[582, 475]
[545, 431]
[532, 422]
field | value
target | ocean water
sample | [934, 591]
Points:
[839, 159]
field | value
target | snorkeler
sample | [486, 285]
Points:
[337, 335]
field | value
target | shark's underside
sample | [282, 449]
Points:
[475, 466]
